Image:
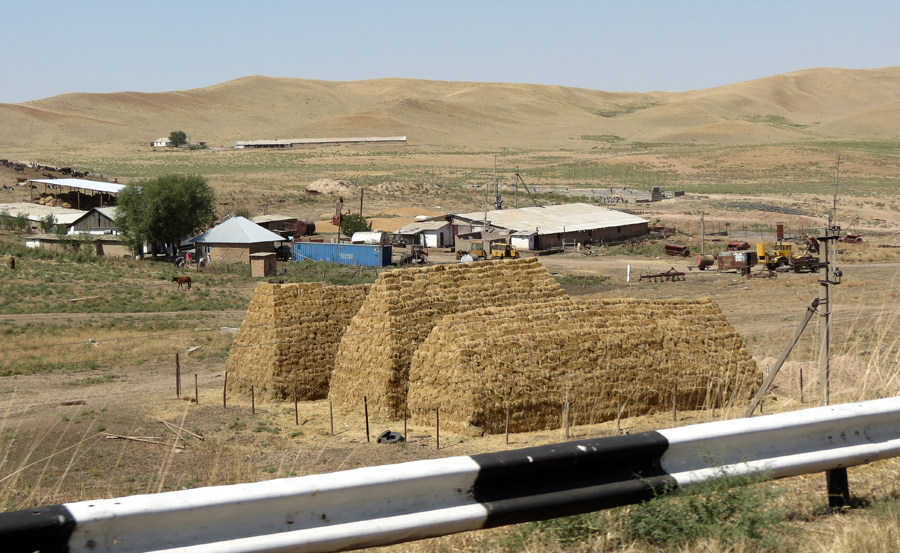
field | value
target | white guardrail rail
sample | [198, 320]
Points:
[396, 503]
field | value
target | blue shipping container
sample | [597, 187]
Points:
[368, 255]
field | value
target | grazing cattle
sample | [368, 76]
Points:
[20, 169]
[182, 281]
[276, 281]
[20, 180]
[66, 170]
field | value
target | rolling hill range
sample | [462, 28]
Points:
[808, 104]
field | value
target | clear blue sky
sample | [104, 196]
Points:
[54, 47]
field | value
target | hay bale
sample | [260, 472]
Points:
[400, 312]
[598, 355]
[289, 339]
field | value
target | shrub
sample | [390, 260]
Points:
[728, 509]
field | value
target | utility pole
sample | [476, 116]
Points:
[702, 235]
[362, 192]
[835, 479]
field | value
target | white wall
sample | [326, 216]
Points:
[522, 242]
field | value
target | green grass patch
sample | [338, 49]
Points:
[92, 380]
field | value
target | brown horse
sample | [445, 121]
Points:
[182, 281]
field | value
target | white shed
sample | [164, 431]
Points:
[432, 234]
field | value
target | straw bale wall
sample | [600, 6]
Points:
[289, 339]
[400, 312]
[598, 355]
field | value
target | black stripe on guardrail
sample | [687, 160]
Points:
[544, 482]
[45, 529]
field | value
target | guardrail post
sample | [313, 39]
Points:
[838, 489]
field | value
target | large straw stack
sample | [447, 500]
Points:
[289, 339]
[600, 356]
[400, 312]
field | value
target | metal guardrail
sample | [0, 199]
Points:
[421, 499]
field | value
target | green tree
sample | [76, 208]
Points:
[164, 211]
[355, 223]
[178, 138]
[47, 223]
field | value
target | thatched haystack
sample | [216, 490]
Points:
[598, 355]
[400, 312]
[289, 339]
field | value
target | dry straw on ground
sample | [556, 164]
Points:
[289, 339]
[401, 311]
[599, 356]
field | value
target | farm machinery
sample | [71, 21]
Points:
[783, 255]
[503, 250]
[499, 250]
[417, 254]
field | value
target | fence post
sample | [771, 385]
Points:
[366, 407]
[177, 377]
[675, 403]
[224, 390]
[196, 391]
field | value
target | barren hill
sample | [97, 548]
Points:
[813, 103]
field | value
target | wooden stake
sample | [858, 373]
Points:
[366, 407]
[507, 426]
[252, 400]
[675, 403]
[177, 377]
[331, 415]
[196, 391]
[296, 411]
[224, 388]
[801, 386]
[437, 413]
[566, 421]
[404, 422]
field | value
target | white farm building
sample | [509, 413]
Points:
[553, 226]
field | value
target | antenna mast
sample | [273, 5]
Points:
[519, 177]
[837, 175]
[498, 201]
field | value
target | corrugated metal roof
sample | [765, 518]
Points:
[289, 141]
[96, 186]
[107, 211]
[552, 219]
[237, 230]
[36, 212]
[270, 218]
[421, 226]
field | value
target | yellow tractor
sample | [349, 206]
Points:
[503, 250]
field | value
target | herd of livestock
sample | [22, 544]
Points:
[47, 170]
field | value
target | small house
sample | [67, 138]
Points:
[234, 241]
[162, 143]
